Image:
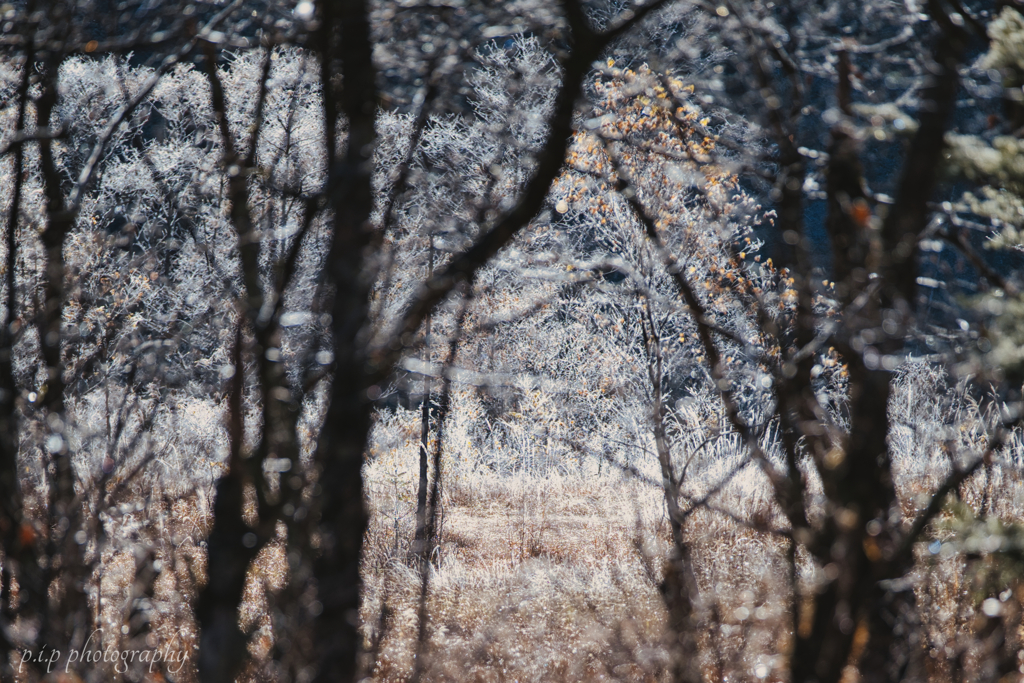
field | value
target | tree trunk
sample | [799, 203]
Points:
[345, 51]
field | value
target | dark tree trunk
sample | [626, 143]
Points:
[346, 52]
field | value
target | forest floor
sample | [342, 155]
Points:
[552, 577]
[557, 579]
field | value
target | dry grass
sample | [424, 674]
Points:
[554, 576]
[557, 579]
[536, 579]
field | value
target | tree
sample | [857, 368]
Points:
[250, 145]
[246, 220]
[873, 239]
